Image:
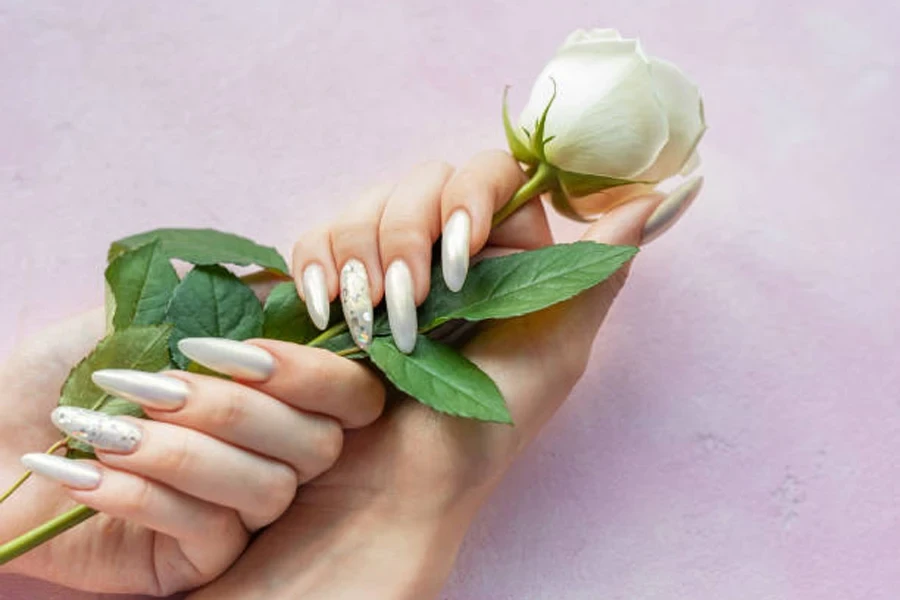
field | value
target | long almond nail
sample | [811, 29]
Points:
[455, 249]
[147, 389]
[356, 300]
[101, 431]
[229, 357]
[401, 306]
[73, 473]
[315, 292]
[671, 209]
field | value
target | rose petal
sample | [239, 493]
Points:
[606, 200]
[681, 99]
[580, 35]
[692, 164]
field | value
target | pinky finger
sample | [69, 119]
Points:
[152, 505]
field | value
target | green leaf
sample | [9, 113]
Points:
[212, 302]
[439, 377]
[204, 247]
[141, 282]
[139, 348]
[520, 151]
[286, 317]
[518, 284]
[576, 185]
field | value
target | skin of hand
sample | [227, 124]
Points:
[387, 521]
[177, 510]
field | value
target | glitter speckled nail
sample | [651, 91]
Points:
[101, 431]
[356, 300]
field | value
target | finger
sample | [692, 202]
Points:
[150, 504]
[233, 413]
[470, 199]
[315, 275]
[409, 227]
[311, 379]
[354, 244]
[187, 460]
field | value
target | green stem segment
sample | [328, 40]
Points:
[47, 531]
[543, 179]
[328, 334]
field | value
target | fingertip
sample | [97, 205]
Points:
[624, 224]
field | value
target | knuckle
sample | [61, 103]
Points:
[227, 413]
[410, 238]
[309, 241]
[138, 498]
[330, 444]
[220, 519]
[175, 461]
[278, 490]
[351, 235]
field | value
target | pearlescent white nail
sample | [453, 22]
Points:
[152, 390]
[401, 305]
[101, 431]
[230, 357]
[73, 473]
[315, 292]
[356, 301]
[455, 249]
[671, 209]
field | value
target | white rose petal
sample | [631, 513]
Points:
[681, 99]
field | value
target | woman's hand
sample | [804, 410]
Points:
[387, 520]
[181, 494]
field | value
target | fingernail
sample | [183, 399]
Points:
[401, 305]
[671, 209]
[356, 300]
[101, 431]
[455, 249]
[315, 291]
[148, 389]
[230, 357]
[73, 473]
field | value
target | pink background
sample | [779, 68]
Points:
[739, 433]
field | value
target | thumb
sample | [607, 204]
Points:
[624, 225]
[636, 223]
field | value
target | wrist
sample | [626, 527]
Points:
[335, 554]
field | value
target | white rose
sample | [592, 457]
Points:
[618, 117]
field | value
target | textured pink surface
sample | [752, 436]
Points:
[737, 437]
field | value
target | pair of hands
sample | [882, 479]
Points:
[387, 494]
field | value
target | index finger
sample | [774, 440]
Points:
[310, 379]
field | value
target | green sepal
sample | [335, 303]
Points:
[576, 185]
[538, 140]
[520, 151]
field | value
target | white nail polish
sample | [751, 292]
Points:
[147, 389]
[101, 431]
[671, 209]
[455, 249]
[73, 473]
[315, 291]
[401, 305]
[356, 300]
[230, 357]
